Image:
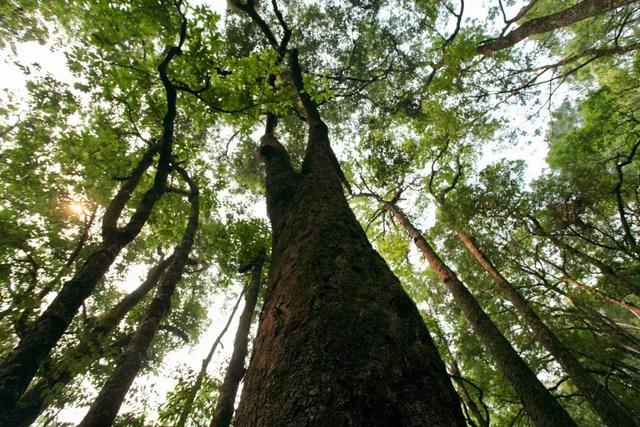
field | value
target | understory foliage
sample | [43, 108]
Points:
[420, 116]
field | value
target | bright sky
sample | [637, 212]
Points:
[52, 61]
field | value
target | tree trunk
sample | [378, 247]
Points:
[339, 341]
[611, 411]
[19, 368]
[224, 409]
[105, 407]
[583, 10]
[540, 405]
[79, 358]
[454, 371]
[623, 283]
[458, 379]
[193, 391]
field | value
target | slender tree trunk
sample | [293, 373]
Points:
[583, 10]
[456, 376]
[454, 371]
[632, 308]
[193, 391]
[612, 412]
[541, 406]
[105, 407]
[19, 368]
[623, 283]
[339, 340]
[224, 409]
[79, 358]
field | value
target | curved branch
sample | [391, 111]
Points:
[583, 10]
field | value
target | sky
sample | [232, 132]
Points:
[52, 61]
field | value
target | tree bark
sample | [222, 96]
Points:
[105, 407]
[79, 358]
[540, 405]
[583, 10]
[224, 409]
[193, 391]
[21, 365]
[612, 412]
[339, 340]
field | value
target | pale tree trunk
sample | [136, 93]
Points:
[538, 402]
[611, 411]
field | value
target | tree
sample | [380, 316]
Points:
[384, 97]
[107, 404]
[235, 371]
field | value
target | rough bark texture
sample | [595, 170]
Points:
[339, 341]
[583, 10]
[224, 409]
[79, 358]
[104, 409]
[611, 411]
[540, 405]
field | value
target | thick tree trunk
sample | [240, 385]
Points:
[79, 358]
[104, 409]
[611, 411]
[540, 405]
[193, 391]
[224, 409]
[583, 10]
[339, 341]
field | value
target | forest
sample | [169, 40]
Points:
[266, 213]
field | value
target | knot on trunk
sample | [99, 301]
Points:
[269, 148]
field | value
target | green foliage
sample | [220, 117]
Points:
[411, 108]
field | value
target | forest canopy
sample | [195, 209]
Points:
[320, 212]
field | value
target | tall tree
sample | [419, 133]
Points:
[539, 403]
[611, 410]
[235, 371]
[359, 324]
[19, 368]
[106, 406]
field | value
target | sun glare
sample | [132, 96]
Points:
[77, 209]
